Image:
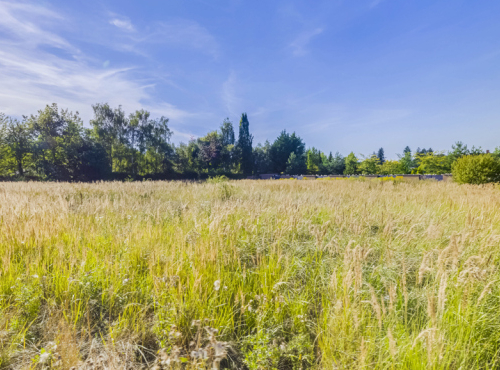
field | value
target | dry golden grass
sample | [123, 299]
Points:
[292, 275]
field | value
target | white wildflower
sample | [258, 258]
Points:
[44, 358]
[217, 284]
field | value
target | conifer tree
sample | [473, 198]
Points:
[381, 155]
[245, 146]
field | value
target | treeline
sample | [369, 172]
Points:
[55, 145]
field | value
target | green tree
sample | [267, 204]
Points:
[136, 129]
[155, 144]
[351, 164]
[186, 158]
[245, 145]
[391, 168]
[476, 169]
[459, 149]
[227, 132]
[369, 166]
[381, 155]
[16, 145]
[228, 145]
[313, 161]
[111, 130]
[406, 162]
[296, 164]
[337, 164]
[284, 145]
[91, 163]
[58, 136]
[496, 152]
[4, 149]
[262, 158]
[210, 152]
[433, 163]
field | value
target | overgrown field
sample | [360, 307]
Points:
[250, 275]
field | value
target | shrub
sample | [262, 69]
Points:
[217, 179]
[476, 169]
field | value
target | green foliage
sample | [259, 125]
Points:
[262, 351]
[227, 133]
[228, 152]
[476, 169]
[433, 163]
[210, 152]
[244, 146]
[496, 152]
[369, 166]
[406, 161]
[217, 179]
[54, 145]
[381, 155]
[296, 164]
[16, 146]
[262, 158]
[314, 161]
[351, 165]
[335, 164]
[391, 168]
[284, 145]
[459, 150]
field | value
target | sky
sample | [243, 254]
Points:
[345, 75]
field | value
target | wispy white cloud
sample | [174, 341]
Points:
[299, 45]
[38, 67]
[232, 101]
[123, 23]
[23, 22]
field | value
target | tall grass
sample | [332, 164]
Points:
[249, 274]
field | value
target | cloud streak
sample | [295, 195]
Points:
[124, 24]
[38, 67]
[230, 98]
[299, 45]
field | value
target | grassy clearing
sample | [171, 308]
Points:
[249, 274]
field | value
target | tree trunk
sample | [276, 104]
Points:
[20, 166]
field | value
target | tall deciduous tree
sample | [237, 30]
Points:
[351, 164]
[391, 168]
[228, 145]
[433, 163]
[211, 150]
[227, 132]
[110, 129]
[58, 135]
[262, 158]
[369, 166]
[313, 161]
[16, 144]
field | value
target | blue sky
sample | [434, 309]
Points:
[345, 75]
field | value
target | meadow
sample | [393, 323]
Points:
[249, 275]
